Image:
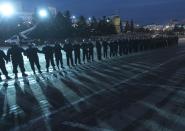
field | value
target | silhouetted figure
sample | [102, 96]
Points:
[48, 51]
[32, 54]
[68, 48]
[98, 49]
[58, 55]
[14, 54]
[105, 48]
[90, 51]
[77, 48]
[111, 46]
[3, 58]
[115, 52]
[84, 47]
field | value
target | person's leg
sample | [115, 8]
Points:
[61, 62]
[76, 58]
[84, 56]
[79, 59]
[57, 61]
[38, 65]
[47, 64]
[32, 66]
[67, 56]
[15, 71]
[3, 69]
[21, 66]
[52, 63]
[0, 77]
[71, 57]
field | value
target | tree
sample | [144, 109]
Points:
[132, 26]
[68, 24]
[82, 28]
[127, 26]
[93, 26]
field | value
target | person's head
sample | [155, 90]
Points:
[30, 45]
[67, 41]
[46, 43]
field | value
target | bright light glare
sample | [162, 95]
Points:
[43, 13]
[6, 9]
[73, 17]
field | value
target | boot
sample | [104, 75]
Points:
[8, 78]
[16, 77]
[24, 75]
[40, 71]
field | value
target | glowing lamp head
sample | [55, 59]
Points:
[6, 9]
[73, 17]
[43, 13]
[89, 18]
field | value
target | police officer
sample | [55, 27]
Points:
[115, 48]
[58, 55]
[98, 49]
[15, 55]
[48, 52]
[32, 54]
[111, 46]
[68, 48]
[90, 50]
[84, 47]
[105, 48]
[77, 48]
[3, 57]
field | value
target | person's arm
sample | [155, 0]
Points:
[8, 54]
[43, 50]
[4, 56]
[23, 51]
[39, 51]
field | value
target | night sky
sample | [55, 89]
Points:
[141, 11]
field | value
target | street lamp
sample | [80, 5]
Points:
[73, 17]
[108, 20]
[89, 18]
[43, 13]
[7, 9]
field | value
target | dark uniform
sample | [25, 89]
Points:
[58, 55]
[32, 55]
[3, 57]
[90, 51]
[115, 48]
[84, 47]
[48, 51]
[15, 54]
[77, 48]
[111, 46]
[105, 48]
[98, 49]
[68, 48]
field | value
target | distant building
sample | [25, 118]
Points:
[116, 20]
